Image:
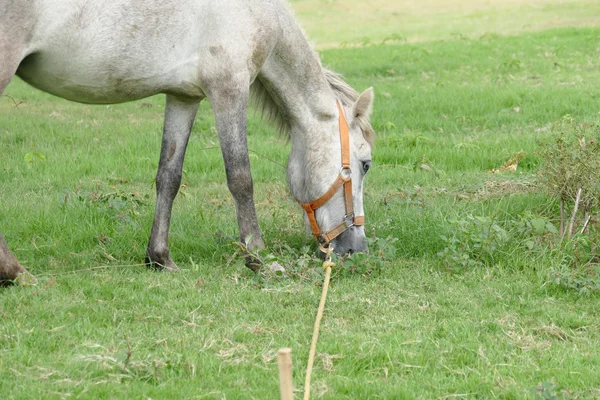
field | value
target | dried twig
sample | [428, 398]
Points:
[574, 215]
[14, 101]
[588, 217]
[562, 218]
[128, 357]
[91, 269]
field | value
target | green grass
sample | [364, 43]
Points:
[413, 329]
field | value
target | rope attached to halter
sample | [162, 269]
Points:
[327, 265]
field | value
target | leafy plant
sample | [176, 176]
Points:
[381, 251]
[32, 156]
[534, 232]
[474, 241]
[578, 264]
[545, 391]
[585, 280]
[117, 204]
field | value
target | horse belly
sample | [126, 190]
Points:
[100, 81]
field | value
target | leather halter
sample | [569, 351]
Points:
[344, 180]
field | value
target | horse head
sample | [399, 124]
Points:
[326, 174]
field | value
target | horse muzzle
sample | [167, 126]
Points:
[352, 240]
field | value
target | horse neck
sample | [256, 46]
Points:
[294, 78]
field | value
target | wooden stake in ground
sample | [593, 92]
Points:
[286, 385]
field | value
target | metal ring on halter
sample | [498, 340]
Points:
[346, 173]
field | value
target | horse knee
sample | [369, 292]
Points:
[239, 181]
[168, 181]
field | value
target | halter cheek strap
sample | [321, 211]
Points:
[344, 180]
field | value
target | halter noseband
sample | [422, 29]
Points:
[344, 180]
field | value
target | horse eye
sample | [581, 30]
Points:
[366, 166]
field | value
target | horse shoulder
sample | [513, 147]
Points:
[240, 42]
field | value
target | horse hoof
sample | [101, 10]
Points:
[170, 266]
[252, 262]
[26, 279]
[166, 266]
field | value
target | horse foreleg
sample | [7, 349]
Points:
[230, 115]
[179, 118]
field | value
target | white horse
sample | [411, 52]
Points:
[113, 51]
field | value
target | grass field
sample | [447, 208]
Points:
[334, 23]
[452, 104]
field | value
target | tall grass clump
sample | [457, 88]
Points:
[570, 173]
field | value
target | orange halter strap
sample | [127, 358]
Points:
[344, 180]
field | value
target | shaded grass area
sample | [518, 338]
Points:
[76, 193]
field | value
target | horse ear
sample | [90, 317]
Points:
[364, 104]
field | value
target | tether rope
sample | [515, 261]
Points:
[327, 264]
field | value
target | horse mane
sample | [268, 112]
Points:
[342, 91]
[348, 96]
[267, 107]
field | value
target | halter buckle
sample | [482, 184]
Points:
[349, 220]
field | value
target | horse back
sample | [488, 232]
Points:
[121, 50]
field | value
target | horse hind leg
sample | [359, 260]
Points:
[10, 58]
[10, 269]
[6, 74]
[179, 118]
